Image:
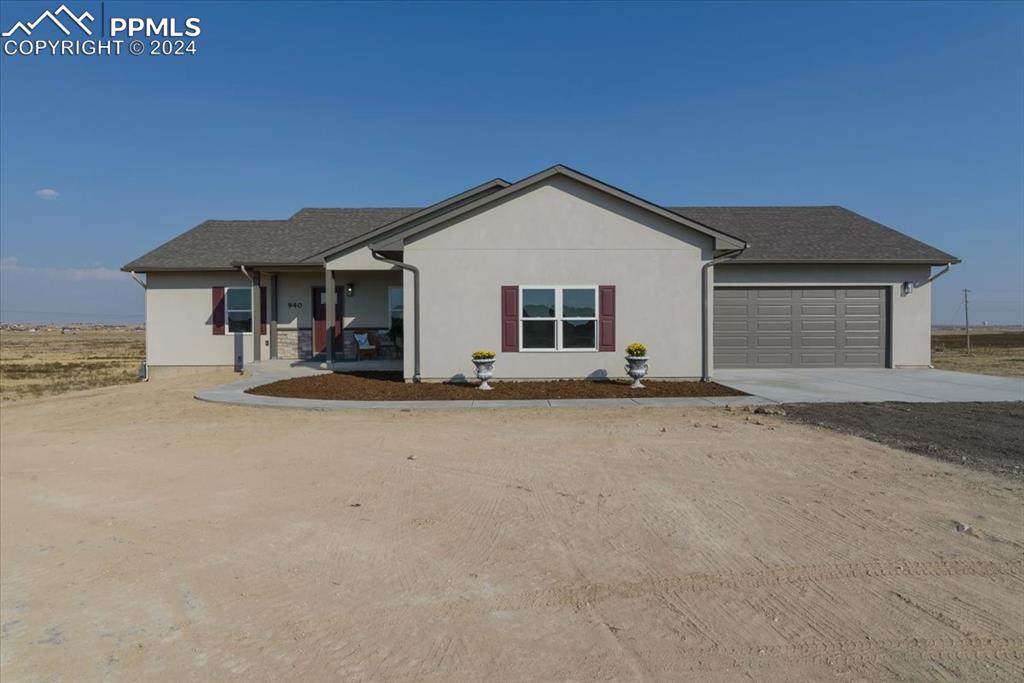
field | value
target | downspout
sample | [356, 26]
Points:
[930, 280]
[705, 287]
[415, 308]
[257, 338]
[935, 277]
[145, 365]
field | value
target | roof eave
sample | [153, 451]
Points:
[130, 268]
[896, 261]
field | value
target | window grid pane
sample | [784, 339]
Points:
[239, 298]
[578, 303]
[538, 334]
[239, 321]
[538, 303]
[579, 334]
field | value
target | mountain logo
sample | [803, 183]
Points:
[78, 20]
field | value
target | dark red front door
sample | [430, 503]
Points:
[319, 322]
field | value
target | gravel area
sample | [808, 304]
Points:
[387, 386]
[986, 436]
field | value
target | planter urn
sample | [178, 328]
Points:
[636, 367]
[484, 371]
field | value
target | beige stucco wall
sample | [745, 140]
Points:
[558, 233]
[910, 316]
[179, 326]
[296, 289]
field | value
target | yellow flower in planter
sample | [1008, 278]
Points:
[483, 354]
[636, 349]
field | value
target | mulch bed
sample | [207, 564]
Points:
[388, 386]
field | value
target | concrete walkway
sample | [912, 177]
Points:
[272, 371]
[862, 385]
[804, 385]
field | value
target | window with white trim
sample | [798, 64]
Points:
[558, 318]
[238, 309]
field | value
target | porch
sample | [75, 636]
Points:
[296, 314]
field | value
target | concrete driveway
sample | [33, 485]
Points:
[838, 385]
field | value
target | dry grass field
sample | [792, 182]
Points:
[49, 361]
[995, 352]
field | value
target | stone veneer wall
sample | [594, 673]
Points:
[287, 343]
[293, 344]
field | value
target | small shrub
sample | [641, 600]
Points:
[483, 354]
[636, 349]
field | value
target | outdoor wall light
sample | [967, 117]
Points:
[350, 289]
[908, 287]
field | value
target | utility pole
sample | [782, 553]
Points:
[967, 323]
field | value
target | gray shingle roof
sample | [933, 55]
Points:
[774, 233]
[813, 234]
[219, 245]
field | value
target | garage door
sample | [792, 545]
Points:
[774, 327]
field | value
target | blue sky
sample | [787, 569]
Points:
[910, 113]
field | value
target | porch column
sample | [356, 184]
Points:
[272, 300]
[329, 305]
[257, 313]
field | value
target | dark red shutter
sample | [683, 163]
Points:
[263, 310]
[606, 318]
[509, 318]
[218, 310]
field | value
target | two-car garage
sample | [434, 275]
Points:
[784, 327]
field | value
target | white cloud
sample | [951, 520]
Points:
[47, 194]
[10, 264]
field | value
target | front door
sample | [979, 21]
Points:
[319, 322]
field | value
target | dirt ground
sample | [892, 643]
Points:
[995, 352]
[146, 536]
[387, 386]
[988, 436]
[48, 361]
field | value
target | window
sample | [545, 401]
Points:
[395, 307]
[558, 318]
[238, 309]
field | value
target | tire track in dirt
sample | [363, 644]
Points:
[751, 580]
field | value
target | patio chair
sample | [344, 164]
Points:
[365, 346]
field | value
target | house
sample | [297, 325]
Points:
[557, 272]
